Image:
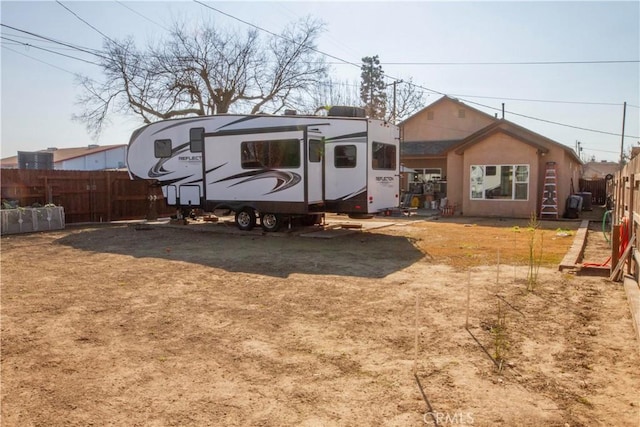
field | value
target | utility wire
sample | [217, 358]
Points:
[552, 122]
[39, 60]
[85, 50]
[91, 26]
[49, 50]
[143, 16]
[631, 61]
[93, 52]
[344, 61]
[433, 90]
[550, 101]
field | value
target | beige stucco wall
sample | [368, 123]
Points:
[446, 123]
[503, 149]
[500, 149]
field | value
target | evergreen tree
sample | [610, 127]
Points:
[372, 89]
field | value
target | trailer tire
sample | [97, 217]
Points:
[246, 219]
[271, 222]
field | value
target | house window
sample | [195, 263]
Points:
[461, 114]
[429, 115]
[384, 156]
[345, 156]
[499, 182]
[280, 153]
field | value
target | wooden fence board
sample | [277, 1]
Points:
[87, 196]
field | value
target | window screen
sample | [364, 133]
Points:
[315, 150]
[280, 153]
[345, 156]
[384, 156]
[162, 148]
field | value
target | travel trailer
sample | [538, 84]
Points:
[272, 168]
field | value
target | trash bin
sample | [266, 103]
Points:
[586, 200]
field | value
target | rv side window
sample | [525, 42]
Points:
[384, 156]
[196, 140]
[345, 156]
[280, 153]
[315, 150]
[162, 148]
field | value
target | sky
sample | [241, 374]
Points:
[562, 69]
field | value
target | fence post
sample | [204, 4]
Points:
[632, 190]
[109, 207]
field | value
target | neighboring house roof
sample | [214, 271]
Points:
[516, 131]
[593, 170]
[427, 148]
[63, 154]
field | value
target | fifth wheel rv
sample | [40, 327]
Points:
[271, 167]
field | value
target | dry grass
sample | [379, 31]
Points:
[464, 245]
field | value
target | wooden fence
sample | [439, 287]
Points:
[598, 189]
[86, 196]
[626, 219]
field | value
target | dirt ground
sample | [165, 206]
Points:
[203, 325]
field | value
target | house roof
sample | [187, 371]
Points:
[523, 134]
[599, 169]
[63, 154]
[427, 148]
[449, 99]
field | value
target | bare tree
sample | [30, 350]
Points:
[334, 92]
[205, 71]
[408, 99]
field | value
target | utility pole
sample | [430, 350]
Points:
[393, 111]
[579, 149]
[624, 116]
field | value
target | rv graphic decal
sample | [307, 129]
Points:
[158, 169]
[284, 179]
[354, 194]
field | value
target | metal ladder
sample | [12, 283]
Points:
[549, 206]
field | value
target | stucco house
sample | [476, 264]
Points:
[485, 166]
[599, 170]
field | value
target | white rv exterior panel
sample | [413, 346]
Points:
[344, 177]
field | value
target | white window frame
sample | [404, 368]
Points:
[477, 182]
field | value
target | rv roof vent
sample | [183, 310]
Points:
[341, 111]
[290, 112]
[93, 146]
[51, 149]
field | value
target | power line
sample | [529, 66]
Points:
[86, 50]
[551, 101]
[551, 121]
[630, 61]
[49, 50]
[344, 61]
[91, 26]
[90, 51]
[436, 91]
[142, 15]
[39, 60]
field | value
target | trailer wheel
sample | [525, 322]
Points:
[271, 222]
[246, 219]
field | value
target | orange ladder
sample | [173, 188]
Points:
[549, 208]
